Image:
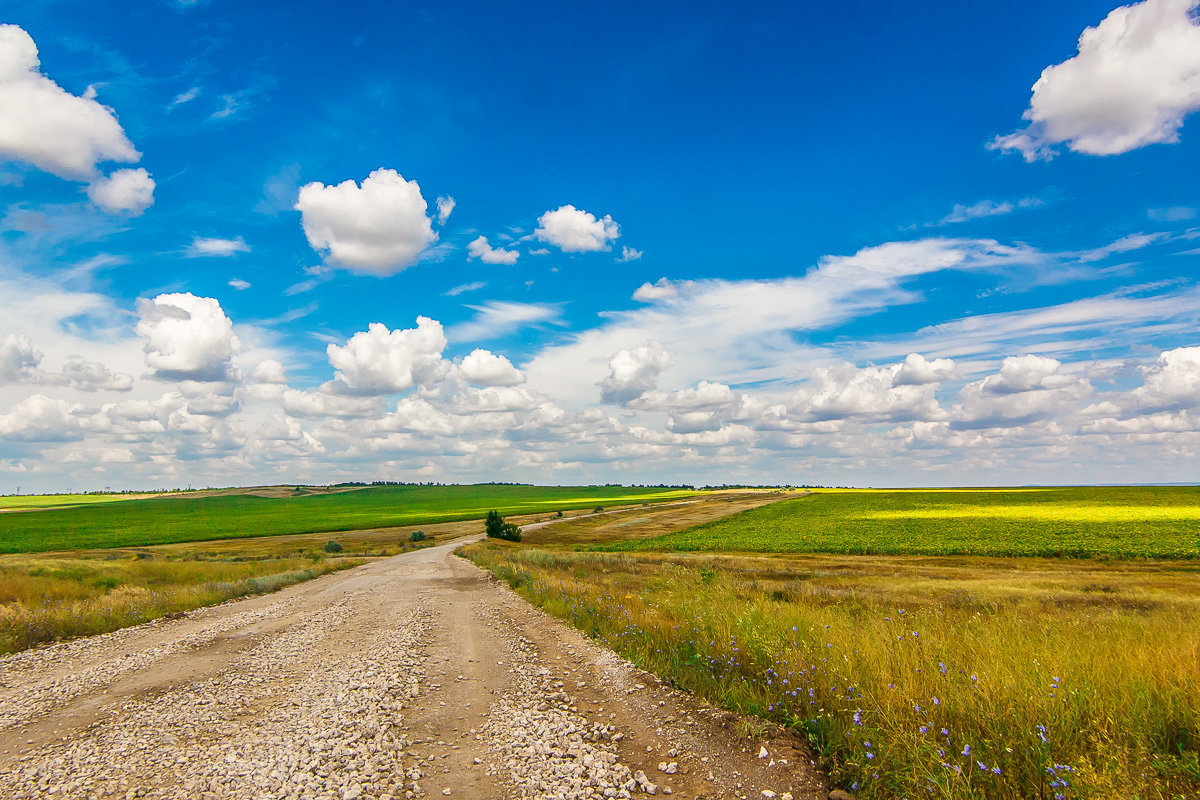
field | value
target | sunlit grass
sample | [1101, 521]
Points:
[1122, 522]
[62, 500]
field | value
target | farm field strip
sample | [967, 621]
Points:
[172, 519]
[1126, 522]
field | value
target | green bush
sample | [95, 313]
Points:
[598, 510]
[417, 536]
[332, 547]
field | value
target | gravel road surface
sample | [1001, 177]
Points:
[414, 676]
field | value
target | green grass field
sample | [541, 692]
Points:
[163, 520]
[1079, 522]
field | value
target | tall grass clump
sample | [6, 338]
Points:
[950, 697]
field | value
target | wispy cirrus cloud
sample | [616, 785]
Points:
[496, 318]
[986, 208]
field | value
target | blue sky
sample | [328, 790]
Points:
[854, 245]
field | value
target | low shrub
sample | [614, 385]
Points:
[332, 547]
[417, 536]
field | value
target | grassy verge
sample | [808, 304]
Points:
[55, 599]
[913, 676]
[47, 597]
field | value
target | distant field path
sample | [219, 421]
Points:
[415, 673]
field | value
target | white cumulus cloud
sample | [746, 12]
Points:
[1172, 382]
[269, 370]
[90, 376]
[381, 361]
[662, 289]
[485, 368]
[39, 418]
[574, 230]
[633, 372]
[1027, 389]
[44, 125]
[870, 392]
[18, 358]
[125, 191]
[1024, 374]
[479, 248]
[1134, 80]
[380, 227]
[187, 338]
[917, 370]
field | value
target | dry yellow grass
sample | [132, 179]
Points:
[1049, 677]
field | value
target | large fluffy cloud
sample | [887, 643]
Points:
[1173, 381]
[380, 227]
[1135, 78]
[187, 338]
[633, 372]
[39, 418]
[846, 391]
[574, 230]
[68, 136]
[1027, 389]
[380, 361]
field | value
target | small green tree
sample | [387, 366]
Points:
[332, 547]
[417, 536]
[496, 528]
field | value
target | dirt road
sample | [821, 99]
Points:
[408, 677]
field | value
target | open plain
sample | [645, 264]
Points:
[415, 675]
